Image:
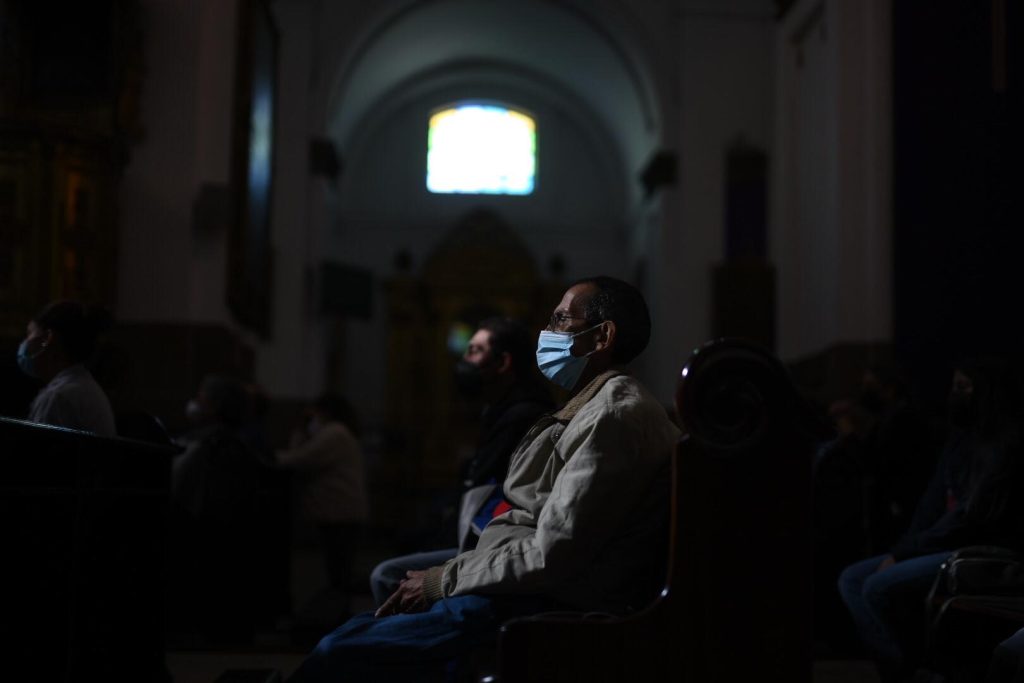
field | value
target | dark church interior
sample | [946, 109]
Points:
[283, 222]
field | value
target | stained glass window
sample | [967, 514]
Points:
[481, 149]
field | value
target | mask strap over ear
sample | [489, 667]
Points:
[589, 329]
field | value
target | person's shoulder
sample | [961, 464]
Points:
[335, 433]
[75, 381]
[49, 399]
[627, 391]
[625, 397]
[623, 404]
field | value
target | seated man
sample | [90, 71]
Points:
[588, 487]
[500, 368]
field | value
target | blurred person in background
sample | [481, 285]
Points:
[498, 369]
[59, 343]
[973, 499]
[213, 511]
[331, 488]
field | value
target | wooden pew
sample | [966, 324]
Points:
[736, 605]
[976, 601]
[83, 527]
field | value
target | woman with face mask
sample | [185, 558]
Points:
[60, 340]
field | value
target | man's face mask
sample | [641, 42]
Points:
[469, 378]
[555, 359]
[27, 360]
[194, 411]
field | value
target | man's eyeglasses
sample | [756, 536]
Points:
[562, 319]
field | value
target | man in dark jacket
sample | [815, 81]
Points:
[499, 368]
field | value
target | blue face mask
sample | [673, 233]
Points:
[555, 359]
[26, 360]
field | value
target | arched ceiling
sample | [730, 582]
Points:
[562, 45]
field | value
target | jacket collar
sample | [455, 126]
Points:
[569, 410]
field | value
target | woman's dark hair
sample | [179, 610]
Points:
[624, 305]
[995, 403]
[996, 415]
[76, 326]
[338, 408]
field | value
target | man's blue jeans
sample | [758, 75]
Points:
[410, 647]
[888, 607]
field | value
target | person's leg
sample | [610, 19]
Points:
[386, 576]
[889, 608]
[1007, 665]
[409, 647]
[851, 590]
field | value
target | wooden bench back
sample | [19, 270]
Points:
[83, 527]
[736, 604]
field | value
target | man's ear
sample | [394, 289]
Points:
[504, 363]
[605, 336]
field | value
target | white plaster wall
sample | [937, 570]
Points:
[832, 232]
[292, 362]
[167, 271]
[155, 250]
[724, 85]
[806, 244]
[865, 170]
[214, 116]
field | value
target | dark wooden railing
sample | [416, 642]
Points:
[83, 532]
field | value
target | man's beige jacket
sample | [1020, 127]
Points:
[589, 488]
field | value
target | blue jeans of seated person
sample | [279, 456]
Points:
[411, 647]
[888, 608]
[386, 576]
[1007, 664]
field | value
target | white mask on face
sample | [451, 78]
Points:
[193, 411]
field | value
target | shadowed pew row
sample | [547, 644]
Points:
[736, 605]
[83, 523]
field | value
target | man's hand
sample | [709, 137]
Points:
[408, 598]
[886, 563]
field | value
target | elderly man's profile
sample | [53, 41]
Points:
[588, 492]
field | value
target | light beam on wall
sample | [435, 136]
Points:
[481, 149]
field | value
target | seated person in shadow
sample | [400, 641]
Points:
[499, 367]
[588, 488]
[213, 499]
[972, 499]
[866, 484]
[1007, 662]
[893, 446]
[61, 339]
[331, 491]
